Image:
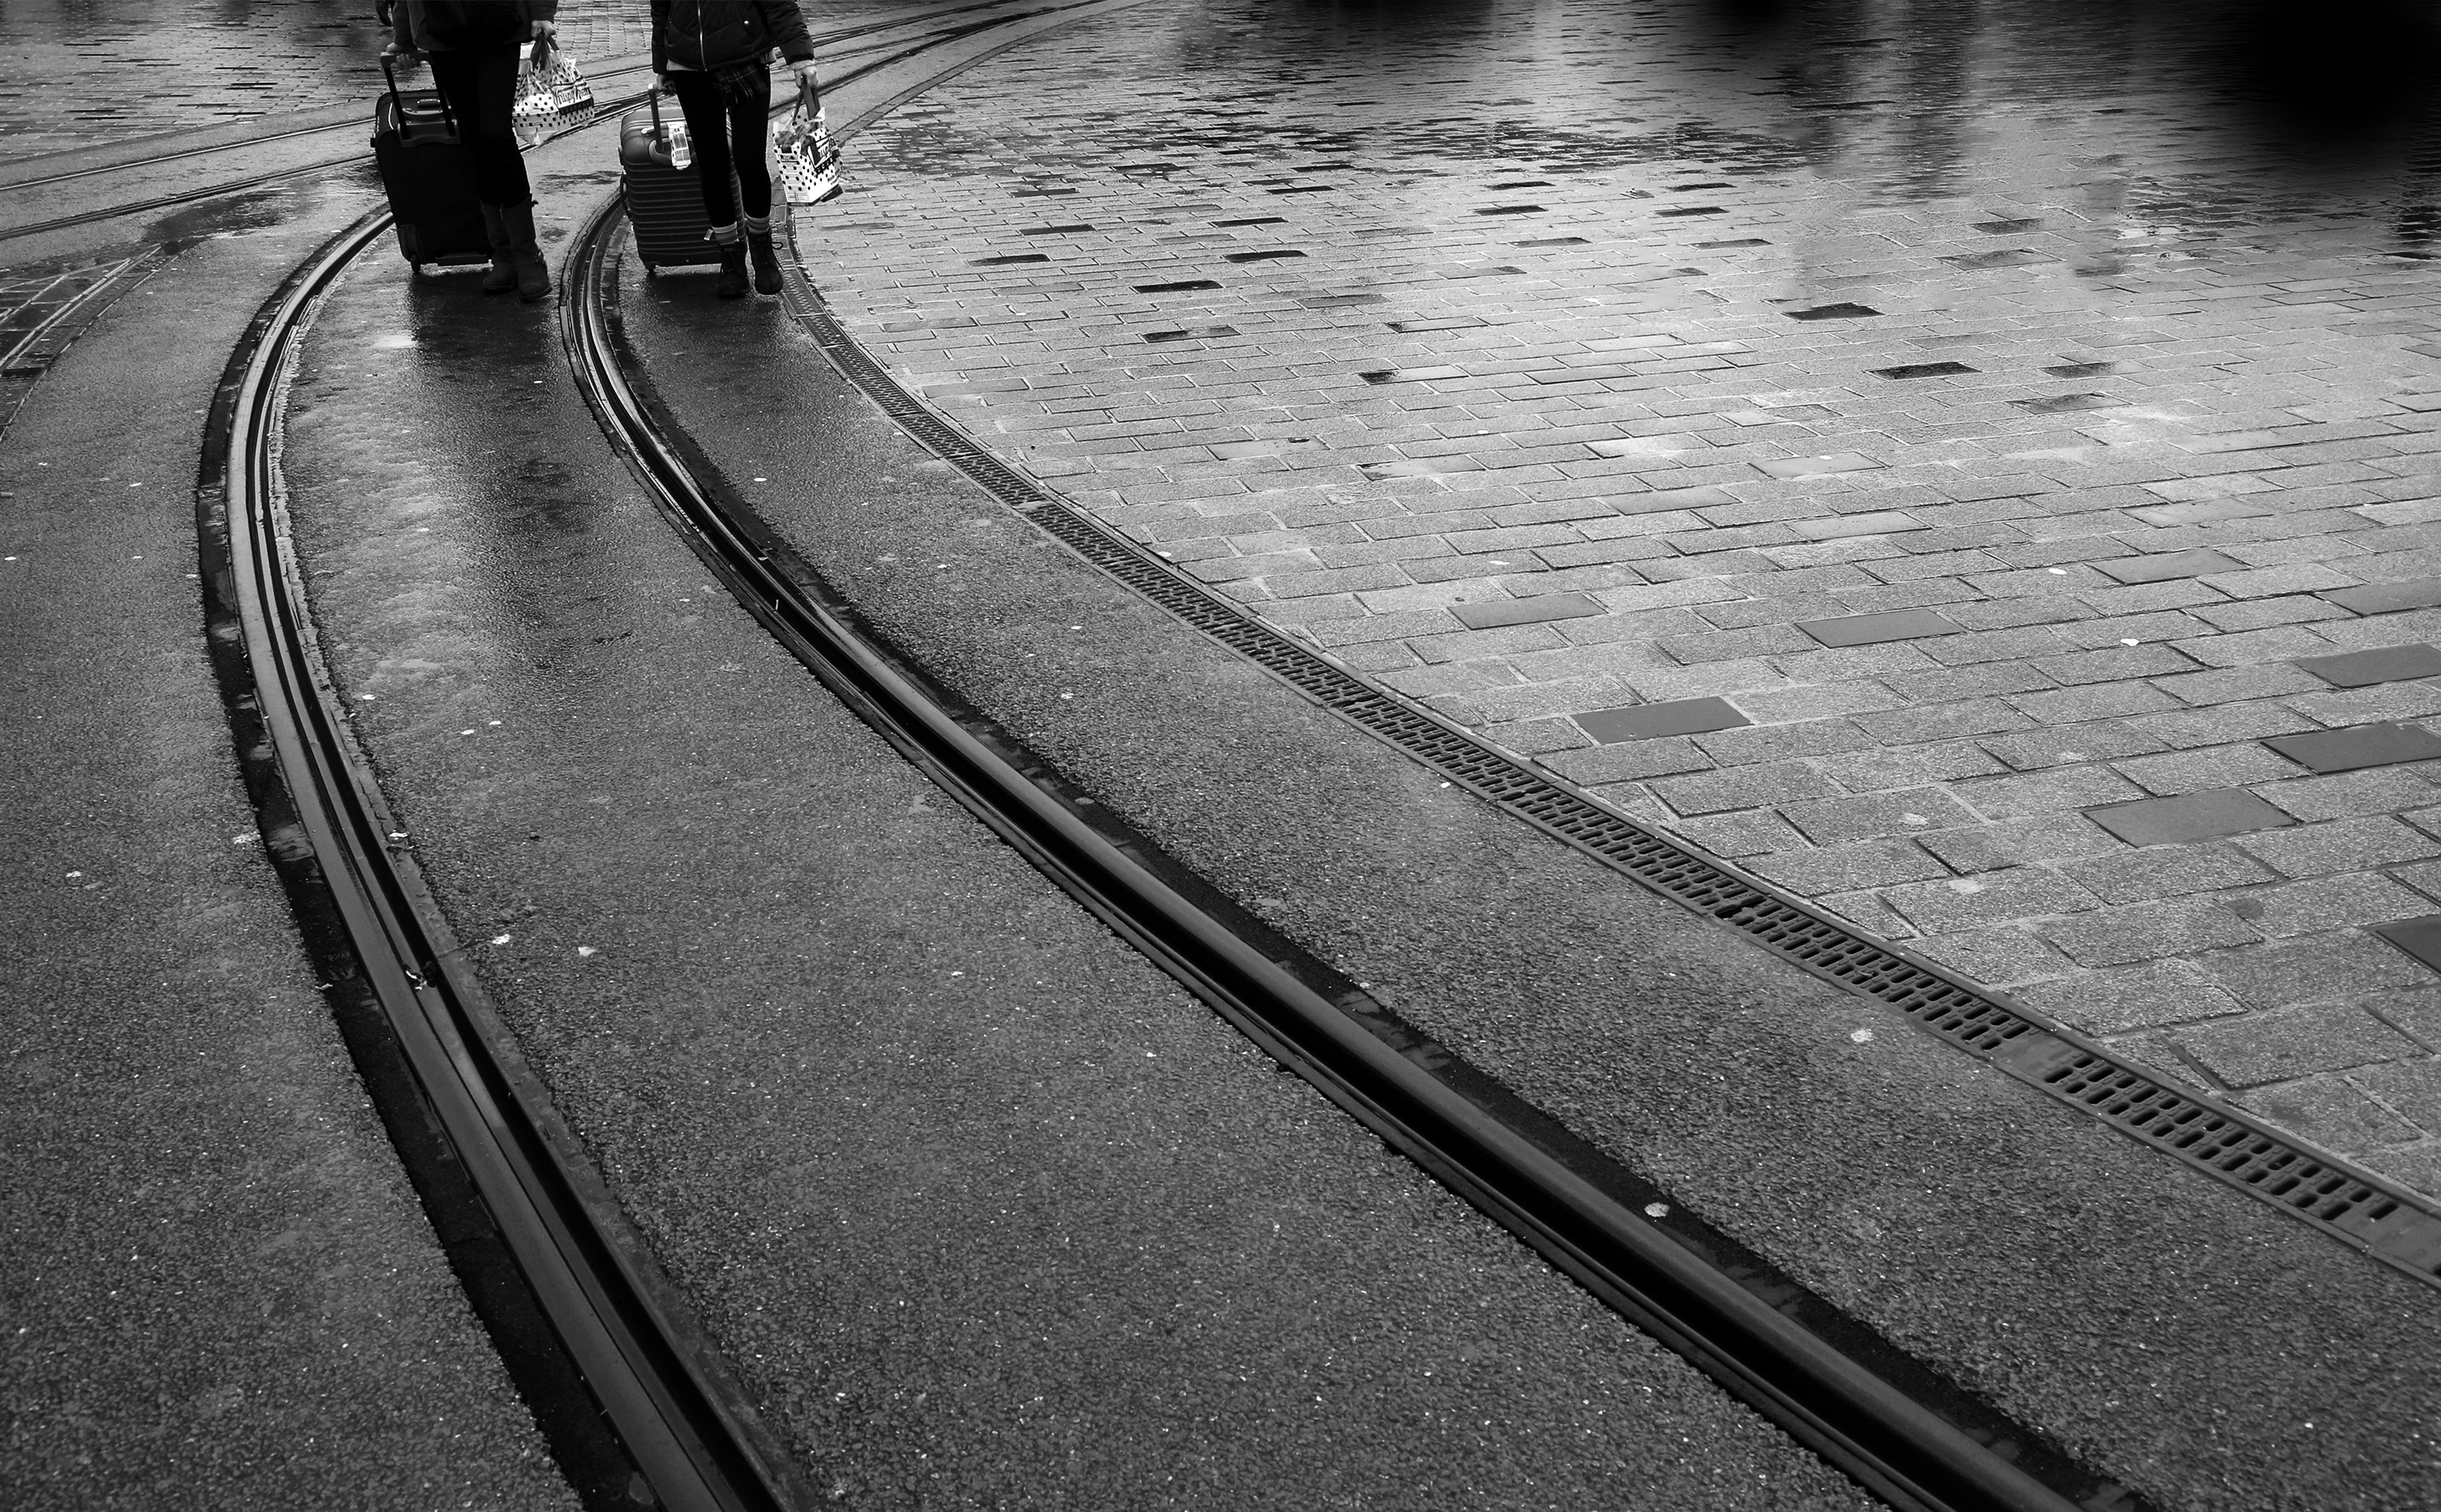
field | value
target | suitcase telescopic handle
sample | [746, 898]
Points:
[398, 106]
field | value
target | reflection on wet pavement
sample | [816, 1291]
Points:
[78, 74]
[2002, 409]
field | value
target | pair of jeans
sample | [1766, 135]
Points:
[481, 85]
[726, 134]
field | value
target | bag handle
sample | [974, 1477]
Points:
[809, 97]
[398, 106]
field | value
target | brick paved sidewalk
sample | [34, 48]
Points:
[2008, 525]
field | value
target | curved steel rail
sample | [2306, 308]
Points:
[1883, 1438]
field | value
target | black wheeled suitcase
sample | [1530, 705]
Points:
[430, 183]
[664, 204]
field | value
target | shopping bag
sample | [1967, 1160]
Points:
[551, 93]
[809, 161]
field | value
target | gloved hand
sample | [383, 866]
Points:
[804, 71]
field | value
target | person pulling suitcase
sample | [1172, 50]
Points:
[711, 54]
[474, 47]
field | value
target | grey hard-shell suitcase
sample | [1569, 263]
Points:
[425, 172]
[664, 204]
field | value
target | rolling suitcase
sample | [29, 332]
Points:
[430, 184]
[664, 204]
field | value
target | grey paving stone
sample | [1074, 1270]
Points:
[2328, 903]
[2332, 1112]
[2388, 598]
[2412, 1087]
[2187, 729]
[2374, 790]
[1816, 466]
[1993, 897]
[2344, 967]
[2114, 665]
[1634, 761]
[1876, 771]
[1773, 743]
[1755, 832]
[1676, 716]
[1526, 611]
[2166, 871]
[1909, 811]
[2147, 931]
[2342, 845]
[2018, 842]
[1744, 787]
[2189, 772]
[2192, 817]
[2102, 739]
[2358, 669]
[2004, 956]
[2149, 996]
[2048, 791]
[1980, 716]
[1847, 868]
[2162, 566]
[2285, 1043]
[2341, 750]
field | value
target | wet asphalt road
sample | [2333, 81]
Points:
[984, 1209]
[217, 1289]
[976, 1200]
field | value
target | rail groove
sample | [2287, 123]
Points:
[1881, 1438]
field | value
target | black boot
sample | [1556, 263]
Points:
[503, 276]
[534, 274]
[732, 262]
[766, 264]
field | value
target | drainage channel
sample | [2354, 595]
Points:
[2366, 1211]
[1717, 1307]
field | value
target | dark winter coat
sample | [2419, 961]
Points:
[411, 25]
[710, 35]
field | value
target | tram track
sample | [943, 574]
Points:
[557, 1247]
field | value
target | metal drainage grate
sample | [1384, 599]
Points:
[2358, 1207]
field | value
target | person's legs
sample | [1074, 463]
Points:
[480, 88]
[750, 129]
[708, 127]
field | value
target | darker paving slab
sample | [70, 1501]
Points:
[2164, 566]
[2388, 598]
[2344, 750]
[1875, 629]
[1677, 716]
[2419, 937]
[1537, 610]
[1844, 311]
[2192, 817]
[2361, 669]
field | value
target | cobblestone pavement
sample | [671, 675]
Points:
[80, 74]
[1970, 464]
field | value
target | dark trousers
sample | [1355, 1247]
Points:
[727, 132]
[481, 85]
